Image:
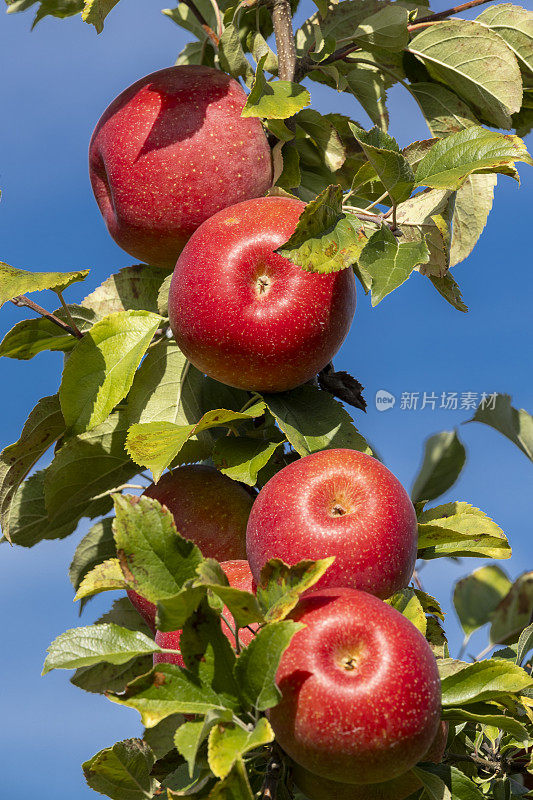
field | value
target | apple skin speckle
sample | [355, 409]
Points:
[340, 503]
[362, 725]
[265, 341]
[151, 154]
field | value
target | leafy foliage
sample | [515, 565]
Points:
[129, 399]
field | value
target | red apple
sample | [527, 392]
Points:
[338, 503]
[169, 152]
[209, 509]
[145, 608]
[245, 315]
[360, 689]
[239, 576]
[316, 788]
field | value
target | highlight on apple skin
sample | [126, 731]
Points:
[239, 576]
[340, 503]
[360, 689]
[246, 315]
[169, 152]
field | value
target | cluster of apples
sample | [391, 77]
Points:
[360, 687]
[180, 177]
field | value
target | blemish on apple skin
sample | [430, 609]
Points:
[231, 221]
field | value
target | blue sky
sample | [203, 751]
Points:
[61, 77]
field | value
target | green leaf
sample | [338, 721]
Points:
[81, 647]
[32, 336]
[122, 772]
[383, 153]
[43, 427]
[340, 19]
[435, 788]
[161, 736]
[324, 136]
[407, 603]
[14, 282]
[242, 457]
[105, 677]
[476, 64]
[388, 263]
[102, 578]
[486, 714]
[313, 420]
[473, 149]
[167, 690]
[515, 424]
[476, 596]
[190, 735]
[428, 215]
[456, 784]
[325, 239]
[173, 612]
[57, 8]
[525, 643]
[242, 605]
[156, 444]
[515, 25]
[208, 654]
[228, 742]
[473, 203]
[27, 519]
[131, 289]
[459, 529]
[95, 11]
[514, 611]
[385, 30]
[257, 665]
[100, 369]
[231, 55]
[444, 458]
[97, 546]
[235, 787]
[155, 559]
[78, 480]
[448, 288]
[274, 99]
[281, 585]
[483, 680]
[444, 112]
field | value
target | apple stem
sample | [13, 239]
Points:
[24, 302]
[214, 39]
[282, 22]
[68, 315]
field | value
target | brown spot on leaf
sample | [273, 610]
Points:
[159, 679]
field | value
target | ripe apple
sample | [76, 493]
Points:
[239, 576]
[146, 609]
[340, 503]
[209, 509]
[360, 689]
[317, 788]
[169, 152]
[246, 315]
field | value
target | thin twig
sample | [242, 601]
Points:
[69, 315]
[282, 22]
[203, 22]
[22, 301]
[451, 11]
[269, 790]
